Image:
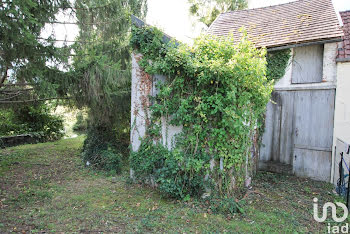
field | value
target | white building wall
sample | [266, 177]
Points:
[342, 105]
[329, 72]
[341, 135]
[329, 64]
[140, 89]
[144, 86]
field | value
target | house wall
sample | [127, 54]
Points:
[140, 89]
[285, 95]
[299, 120]
[143, 86]
[341, 135]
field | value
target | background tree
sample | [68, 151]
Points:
[94, 72]
[28, 64]
[101, 75]
[207, 10]
[25, 58]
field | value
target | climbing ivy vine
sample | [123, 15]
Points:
[217, 92]
[277, 62]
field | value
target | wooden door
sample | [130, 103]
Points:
[313, 133]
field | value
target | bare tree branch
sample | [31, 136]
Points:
[10, 91]
[18, 84]
[33, 100]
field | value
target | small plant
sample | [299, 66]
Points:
[226, 205]
[277, 62]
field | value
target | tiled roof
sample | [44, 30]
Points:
[344, 46]
[295, 22]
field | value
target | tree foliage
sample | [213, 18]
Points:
[101, 76]
[24, 57]
[207, 10]
[101, 67]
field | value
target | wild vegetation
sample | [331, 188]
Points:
[92, 73]
[216, 92]
[36, 120]
[45, 188]
[100, 78]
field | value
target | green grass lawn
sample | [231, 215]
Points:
[45, 187]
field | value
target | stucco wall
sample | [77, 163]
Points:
[139, 96]
[328, 74]
[342, 105]
[143, 86]
[342, 114]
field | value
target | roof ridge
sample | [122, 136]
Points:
[271, 6]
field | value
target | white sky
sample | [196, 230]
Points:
[172, 16]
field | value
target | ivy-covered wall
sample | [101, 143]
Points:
[215, 93]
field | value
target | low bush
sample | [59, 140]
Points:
[176, 175]
[180, 177]
[36, 120]
[7, 124]
[226, 205]
[100, 152]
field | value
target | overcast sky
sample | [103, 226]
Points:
[172, 16]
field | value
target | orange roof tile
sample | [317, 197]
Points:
[344, 46]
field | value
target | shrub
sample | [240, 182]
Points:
[100, 152]
[40, 122]
[32, 119]
[7, 125]
[177, 175]
[177, 182]
[226, 205]
[147, 159]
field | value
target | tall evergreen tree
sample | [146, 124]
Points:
[24, 57]
[101, 75]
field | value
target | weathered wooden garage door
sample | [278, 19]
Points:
[299, 132]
